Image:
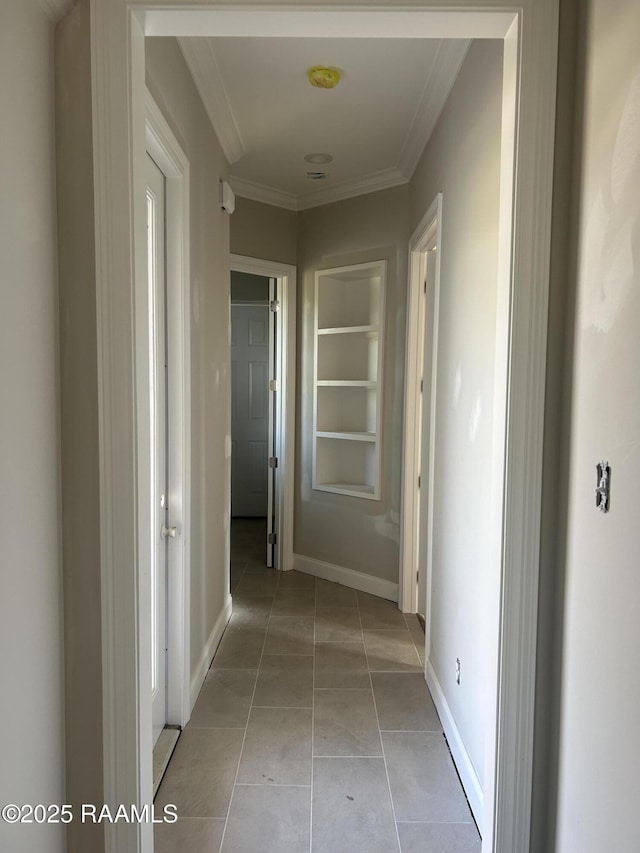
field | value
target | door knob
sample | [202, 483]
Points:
[168, 532]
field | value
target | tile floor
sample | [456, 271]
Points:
[314, 730]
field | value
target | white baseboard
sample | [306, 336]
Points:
[466, 770]
[202, 667]
[347, 577]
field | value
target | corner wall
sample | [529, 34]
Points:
[31, 664]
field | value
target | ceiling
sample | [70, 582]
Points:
[374, 124]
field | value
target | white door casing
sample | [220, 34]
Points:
[275, 438]
[158, 486]
[117, 45]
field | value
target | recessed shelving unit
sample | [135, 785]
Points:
[348, 348]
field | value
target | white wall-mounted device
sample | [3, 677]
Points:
[227, 197]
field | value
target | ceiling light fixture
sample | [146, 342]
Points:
[318, 158]
[323, 78]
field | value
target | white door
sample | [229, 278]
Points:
[250, 410]
[159, 438]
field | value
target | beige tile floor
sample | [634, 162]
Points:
[314, 730]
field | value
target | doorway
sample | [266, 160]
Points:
[263, 361]
[252, 377]
[530, 39]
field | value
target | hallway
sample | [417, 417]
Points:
[315, 709]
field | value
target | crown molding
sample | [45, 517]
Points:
[55, 9]
[384, 180]
[201, 61]
[263, 193]
[440, 81]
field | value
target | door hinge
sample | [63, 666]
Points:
[274, 305]
[419, 480]
[273, 462]
[425, 285]
[417, 577]
[272, 538]
[421, 385]
[273, 385]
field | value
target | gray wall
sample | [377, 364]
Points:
[600, 684]
[357, 534]
[31, 663]
[462, 160]
[172, 87]
[262, 231]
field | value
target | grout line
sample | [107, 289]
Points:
[282, 707]
[350, 757]
[235, 781]
[356, 689]
[412, 731]
[441, 822]
[384, 757]
[269, 785]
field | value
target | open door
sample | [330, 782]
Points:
[272, 473]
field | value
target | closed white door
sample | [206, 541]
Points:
[250, 410]
[159, 438]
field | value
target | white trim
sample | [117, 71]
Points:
[286, 408]
[117, 52]
[421, 240]
[384, 180]
[201, 61]
[347, 577]
[459, 20]
[202, 667]
[464, 765]
[279, 198]
[263, 193]
[446, 67]
[173, 163]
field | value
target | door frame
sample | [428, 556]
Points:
[117, 34]
[164, 148]
[285, 410]
[428, 230]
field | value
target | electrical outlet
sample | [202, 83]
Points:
[457, 670]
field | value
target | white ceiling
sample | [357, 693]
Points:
[267, 116]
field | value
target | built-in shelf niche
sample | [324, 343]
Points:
[348, 336]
